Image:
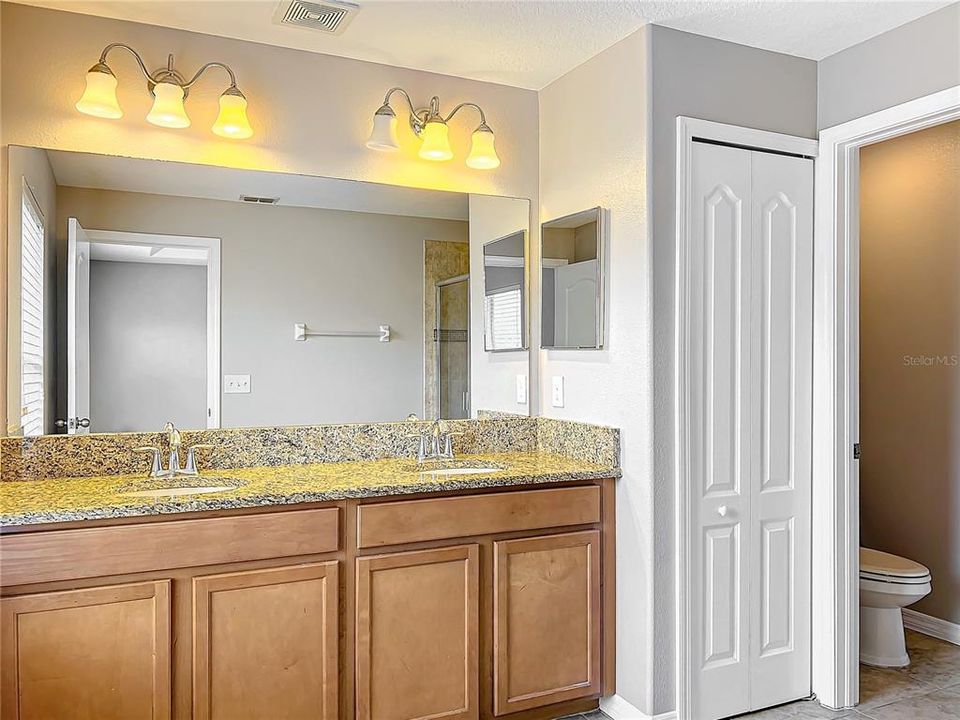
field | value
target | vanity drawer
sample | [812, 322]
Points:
[407, 521]
[100, 551]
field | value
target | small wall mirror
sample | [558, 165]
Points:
[505, 293]
[572, 282]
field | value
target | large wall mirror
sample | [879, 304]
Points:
[141, 292]
[505, 293]
[572, 282]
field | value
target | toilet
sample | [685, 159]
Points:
[888, 583]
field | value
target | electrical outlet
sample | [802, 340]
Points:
[521, 389]
[236, 383]
[558, 391]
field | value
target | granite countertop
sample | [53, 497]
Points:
[31, 502]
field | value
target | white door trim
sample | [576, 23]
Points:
[212, 246]
[687, 130]
[836, 506]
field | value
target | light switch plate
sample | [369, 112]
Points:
[521, 389]
[236, 384]
[557, 391]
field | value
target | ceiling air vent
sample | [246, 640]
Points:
[259, 200]
[331, 17]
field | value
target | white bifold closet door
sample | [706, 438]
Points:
[750, 423]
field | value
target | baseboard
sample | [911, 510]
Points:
[934, 627]
[619, 709]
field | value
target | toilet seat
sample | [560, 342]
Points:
[888, 568]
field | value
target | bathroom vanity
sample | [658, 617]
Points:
[336, 343]
[492, 599]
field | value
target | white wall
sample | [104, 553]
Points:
[493, 376]
[311, 112]
[31, 166]
[593, 151]
[623, 159]
[916, 59]
[280, 265]
[148, 346]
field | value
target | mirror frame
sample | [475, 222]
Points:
[524, 301]
[600, 214]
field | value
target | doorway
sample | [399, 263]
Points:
[451, 336]
[134, 346]
[836, 498]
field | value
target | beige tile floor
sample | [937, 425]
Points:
[928, 689]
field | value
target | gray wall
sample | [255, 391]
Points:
[909, 350]
[148, 346]
[282, 265]
[714, 80]
[911, 61]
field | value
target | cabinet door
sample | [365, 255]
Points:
[546, 620]
[417, 635]
[265, 643]
[100, 653]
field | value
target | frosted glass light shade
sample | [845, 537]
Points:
[100, 96]
[168, 110]
[232, 120]
[483, 156]
[436, 141]
[384, 133]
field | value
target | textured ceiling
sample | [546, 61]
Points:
[525, 43]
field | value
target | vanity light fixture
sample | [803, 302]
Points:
[169, 89]
[431, 127]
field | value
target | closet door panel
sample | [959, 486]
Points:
[719, 427]
[782, 334]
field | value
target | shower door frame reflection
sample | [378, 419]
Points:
[438, 355]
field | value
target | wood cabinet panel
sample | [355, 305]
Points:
[96, 654]
[101, 551]
[408, 521]
[417, 635]
[546, 620]
[265, 644]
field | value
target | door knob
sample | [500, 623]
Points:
[722, 511]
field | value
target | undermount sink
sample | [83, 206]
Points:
[456, 468]
[174, 487]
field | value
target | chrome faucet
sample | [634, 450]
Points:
[175, 441]
[436, 443]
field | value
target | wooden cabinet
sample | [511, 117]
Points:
[417, 635]
[101, 653]
[265, 643]
[546, 620]
[458, 606]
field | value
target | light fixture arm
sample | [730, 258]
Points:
[483, 118]
[136, 55]
[207, 66]
[167, 74]
[419, 118]
[391, 91]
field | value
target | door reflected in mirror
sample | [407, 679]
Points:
[572, 282]
[504, 292]
[145, 291]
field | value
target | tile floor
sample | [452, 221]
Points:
[928, 689]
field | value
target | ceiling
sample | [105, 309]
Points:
[159, 177]
[524, 43]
